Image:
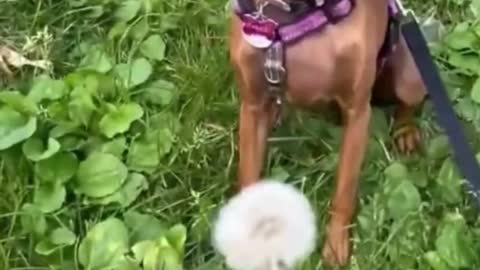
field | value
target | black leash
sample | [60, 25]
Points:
[463, 153]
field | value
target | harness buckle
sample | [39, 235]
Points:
[273, 73]
[274, 70]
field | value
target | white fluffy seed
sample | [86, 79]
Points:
[267, 221]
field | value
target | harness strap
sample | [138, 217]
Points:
[463, 153]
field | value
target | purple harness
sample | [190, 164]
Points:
[272, 35]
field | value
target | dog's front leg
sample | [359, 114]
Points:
[256, 121]
[337, 246]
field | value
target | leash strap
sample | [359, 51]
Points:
[463, 154]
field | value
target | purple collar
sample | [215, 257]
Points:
[317, 17]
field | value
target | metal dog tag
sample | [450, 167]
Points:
[259, 32]
[257, 41]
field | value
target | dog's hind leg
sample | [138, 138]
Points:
[409, 91]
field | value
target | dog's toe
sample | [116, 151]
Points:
[407, 138]
[336, 251]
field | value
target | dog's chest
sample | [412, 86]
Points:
[319, 69]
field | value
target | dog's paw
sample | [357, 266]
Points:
[336, 250]
[407, 138]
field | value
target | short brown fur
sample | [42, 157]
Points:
[336, 65]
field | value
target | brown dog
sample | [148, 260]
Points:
[336, 65]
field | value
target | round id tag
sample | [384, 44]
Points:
[258, 32]
[257, 41]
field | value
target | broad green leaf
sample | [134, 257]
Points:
[97, 59]
[159, 92]
[36, 150]
[140, 30]
[153, 47]
[127, 10]
[475, 8]
[141, 248]
[401, 248]
[93, 83]
[18, 102]
[462, 40]
[126, 263]
[72, 142]
[103, 244]
[151, 258]
[100, 175]
[164, 119]
[455, 243]
[57, 239]
[449, 182]
[64, 128]
[467, 109]
[57, 169]
[62, 236]
[81, 105]
[135, 73]
[177, 235]
[165, 258]
[403, 199]
[119, 119]
[419, 177]
[14, 127]
[45, 88]
[435, 261]
[396, 170]
[143, 227]
[115, 146]
[475, 93]
[88, 80]
[45, 247]
[144, 154]
[117, 30]
[466, 64]
[280, 173]
[438, 147]
[151, 5]
[49, 197]
[33, 220]
[58, 112]
[128, 193]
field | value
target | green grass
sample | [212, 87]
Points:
[176, 128]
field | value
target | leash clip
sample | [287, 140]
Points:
[404, 12]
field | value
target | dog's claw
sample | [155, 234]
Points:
[336, 250]
[407, 138]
